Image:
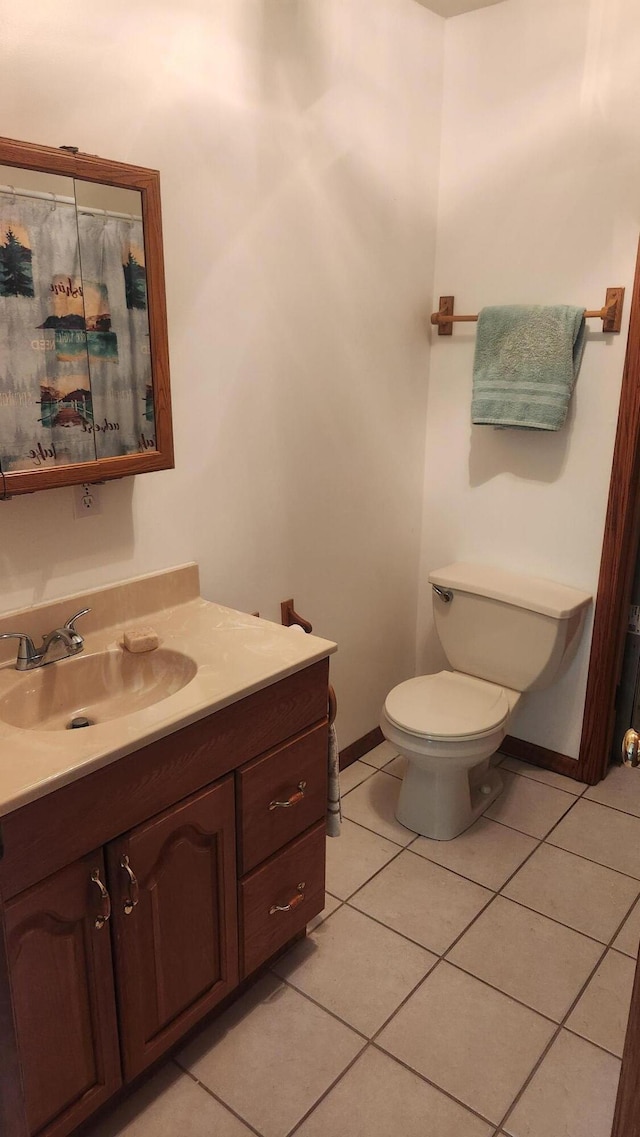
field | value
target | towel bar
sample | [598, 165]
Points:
[289, 617]
[610, 314]
[333, 705]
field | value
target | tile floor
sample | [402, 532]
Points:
[472, 988]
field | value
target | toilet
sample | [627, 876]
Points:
[503, 634]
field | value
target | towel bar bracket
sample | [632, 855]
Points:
[613, 305]
[610, 313]
[289, 617]
[445, 327]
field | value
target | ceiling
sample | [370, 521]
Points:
[456, 7]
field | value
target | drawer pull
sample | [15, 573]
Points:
[105, 915]
[295, 901]
[293, 800]
[133, 899]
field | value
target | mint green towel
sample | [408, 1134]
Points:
[526, 363]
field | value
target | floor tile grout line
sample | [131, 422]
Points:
[216, 1097]
[328, 1090]
[561, 923]
[604, 946]
[517, 774]
[602, 864]
[377, 832]
[311, 999]
[369, 1042]
[545, 915]
[429, 1081]
[435, 864]
[635, 905]
[540, 841]
[541, 781]
[605, 805]
[598, 1045]
[442, 958]
[514, 998]
[401, 849]
[372, 1041]
[416, 943]
[561, 1027]
[495, 892]
[590, 860]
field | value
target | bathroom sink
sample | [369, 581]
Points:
[91, 689]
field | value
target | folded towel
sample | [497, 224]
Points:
[334, 809]
[526, 363]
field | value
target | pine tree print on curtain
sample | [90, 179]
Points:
[16, 274]
[135, 279]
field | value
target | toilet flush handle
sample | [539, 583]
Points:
[444, 593]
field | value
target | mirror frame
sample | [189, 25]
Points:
[91, 168]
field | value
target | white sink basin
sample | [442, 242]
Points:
[99, 687]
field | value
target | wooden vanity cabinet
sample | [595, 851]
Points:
[133, 901]
[173, 890]
[59, 953]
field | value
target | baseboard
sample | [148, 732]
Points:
[511, 748]
[540, 756]
[360, 746]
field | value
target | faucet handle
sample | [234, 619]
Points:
[70, 624]
[26, 649]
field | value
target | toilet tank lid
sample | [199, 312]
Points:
[532, 592]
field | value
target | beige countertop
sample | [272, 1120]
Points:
[235, 654]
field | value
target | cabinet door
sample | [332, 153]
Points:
[63, 998]
[174, 897]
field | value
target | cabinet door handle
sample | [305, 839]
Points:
[293, 903]
[133, 899]
[293, 800]
[105, 915]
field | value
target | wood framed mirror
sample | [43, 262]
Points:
[84, 361]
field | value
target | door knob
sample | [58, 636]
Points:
[631, 748]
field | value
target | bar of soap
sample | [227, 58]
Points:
[141, 639]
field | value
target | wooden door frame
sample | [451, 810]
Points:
[619, 550]
[626, 1122]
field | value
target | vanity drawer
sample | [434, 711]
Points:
[281, 795]
[278, 899]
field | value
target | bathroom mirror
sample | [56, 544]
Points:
[84, 378]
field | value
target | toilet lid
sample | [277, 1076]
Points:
[447, 705]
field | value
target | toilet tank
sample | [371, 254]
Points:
[519, 631]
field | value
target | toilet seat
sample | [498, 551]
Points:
[448, 705]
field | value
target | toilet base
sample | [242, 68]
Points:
[442, 804]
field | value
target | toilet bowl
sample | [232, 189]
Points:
[492, 625]
[449, 726]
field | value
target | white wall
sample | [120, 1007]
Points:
[297, 142]
[539, 203]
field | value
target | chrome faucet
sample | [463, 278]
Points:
[29, 656]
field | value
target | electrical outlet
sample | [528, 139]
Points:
[86, 500]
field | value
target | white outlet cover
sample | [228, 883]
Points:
[86, 501]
